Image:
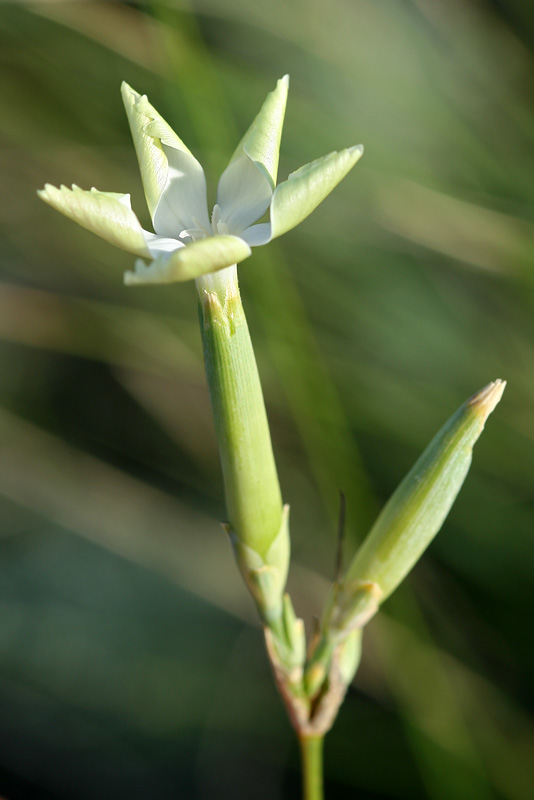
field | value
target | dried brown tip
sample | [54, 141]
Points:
[487, 398]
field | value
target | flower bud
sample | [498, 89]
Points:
[412, 516]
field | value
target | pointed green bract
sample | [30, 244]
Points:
[191, 261]
[417, 509]
[107, 214]
[296, 198]
[173, 179]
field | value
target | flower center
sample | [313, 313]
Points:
[218, 227]
[196, 233]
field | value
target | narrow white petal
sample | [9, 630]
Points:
[244, 194]
[156, 271]
[257, 234]
[184, 199]
[158, 245]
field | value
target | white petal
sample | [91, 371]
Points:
[183, 200]
[107, 214]
[155, 272]
[173, 180]
[158, 245]
[257, 234]
[243, 195]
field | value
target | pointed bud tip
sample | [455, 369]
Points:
[47, 192]
[127, 89]
[129, 95]
[487, 398]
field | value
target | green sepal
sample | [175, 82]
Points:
[108, 214]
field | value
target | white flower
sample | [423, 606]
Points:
[188, 242]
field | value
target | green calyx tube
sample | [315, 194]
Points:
[257, 519]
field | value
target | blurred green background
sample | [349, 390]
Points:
[131, 664]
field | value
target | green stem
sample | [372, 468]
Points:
[311, 752]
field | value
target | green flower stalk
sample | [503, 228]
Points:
[189, 243]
